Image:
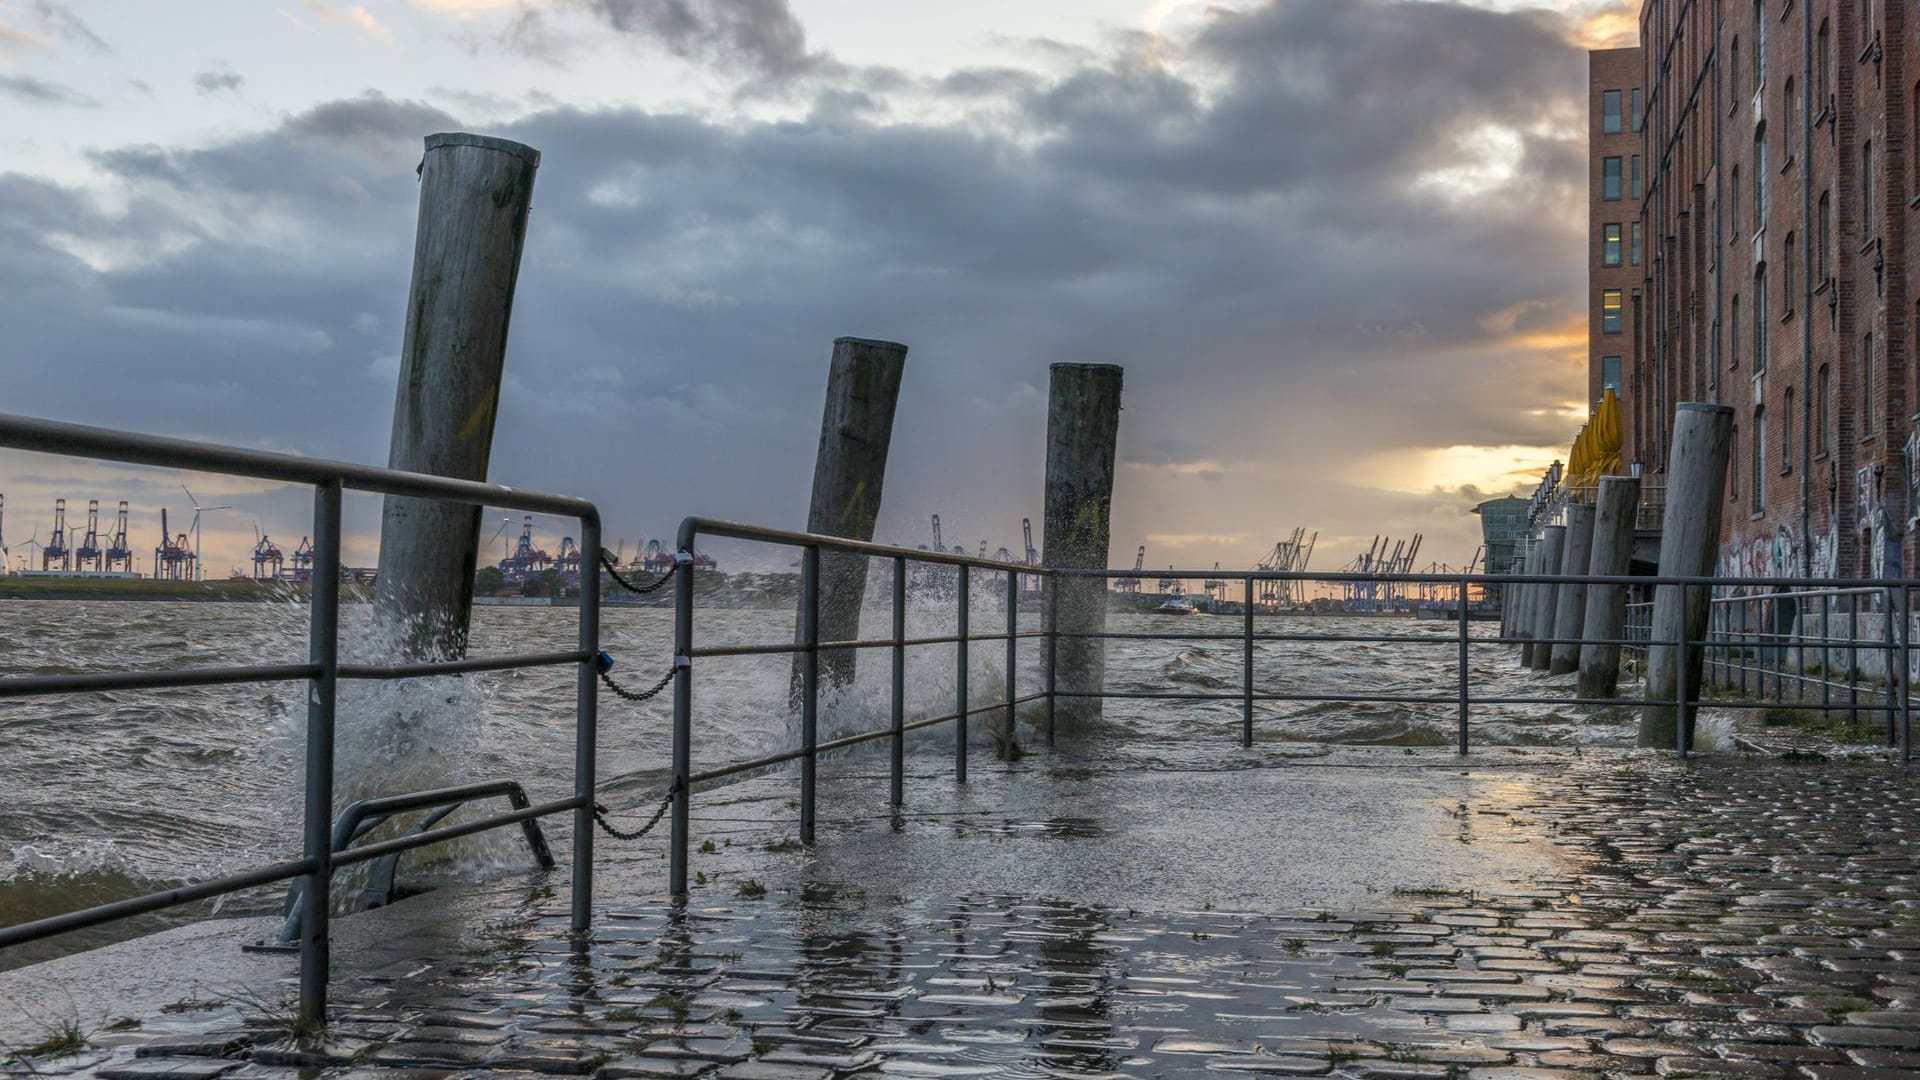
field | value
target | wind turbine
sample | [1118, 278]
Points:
[26, 561]
[199, 570]
[504, 553]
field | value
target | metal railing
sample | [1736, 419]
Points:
[808, 648]
[1462, 699]
[322, 672]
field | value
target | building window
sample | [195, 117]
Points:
[1822, 401]
[1786, 279]
[1636, 176]
[1610, 311]
[1610, 245]
[1759, 43]
[1610, 112]
[1759, 458]
[1733, 71]
[1609, 374]
[1760, 178]
[1867, 405]
[1633, 245]
[1633, 110]
[1826, 238]
[1866, 23]
[1610, 178]
[1867, 227]
[1733, 466]
[1823, 55]
[1733, 338]
[1786, 434]
[1760, 318]
[1733, 203]
[1786, 110]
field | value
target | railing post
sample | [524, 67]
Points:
[1886, 664]
[682, 718]
[1682, 729]
[586, 724]
[897, 706]
[323, 649]
[960, 685]
[1853, 659]
[1906, 716]
[809, 683]
[1053, 642]
[1013, 653]
[1463, 666]
[1246, 674]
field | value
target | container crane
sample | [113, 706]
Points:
[173, 559]
[568, 561]
[54, 554]
[1288, 556]
[1131, 584]
[303, 560]
[1168, 584]
[266, 554]
[89, 550]
[119, 557]
[1216, 588]
[526, 559]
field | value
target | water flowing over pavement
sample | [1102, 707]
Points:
[1738, 918]
[1151, 901]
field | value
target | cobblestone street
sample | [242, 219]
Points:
[1728, 918]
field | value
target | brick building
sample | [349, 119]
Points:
[1779, 165]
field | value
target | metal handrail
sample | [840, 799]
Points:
[808, 650]
[322, 672]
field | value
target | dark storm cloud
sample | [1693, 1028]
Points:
[218, 80]
[1273, 248]
[760, 36]
[28, 90]
[67, 25]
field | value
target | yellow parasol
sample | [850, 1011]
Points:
[1606, 438]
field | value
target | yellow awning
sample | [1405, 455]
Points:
[1606, 438]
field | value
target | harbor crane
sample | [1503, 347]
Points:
[119, 556]
[1288, 556]
[1378, 561]
[266, 554]
[1131, 583]
[1032, 582]
[1216, 587]
[303, 560]
[54, 554]
[568, 561]
[173, 560]
[1168, 584]
[89, 550]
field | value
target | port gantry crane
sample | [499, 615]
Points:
[1131, 583]
[173, 559]
[1379, 561]
[87, 555]
[303, 560]
[119, 557]
[1032, 581]
[1216, 587]
[1288, 556]
[266, 554]
[54, 554]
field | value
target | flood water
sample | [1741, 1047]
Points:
[110, 795]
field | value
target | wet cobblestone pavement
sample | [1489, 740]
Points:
[1729, 918]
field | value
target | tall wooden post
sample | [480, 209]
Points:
[1689, 545]
[1523, 595]
[849, 472]
[1083, 422]
[474, 193]
[1553, 541]
[1570, 611]
[1615, 509]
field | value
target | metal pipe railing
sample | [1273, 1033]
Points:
[322, 672]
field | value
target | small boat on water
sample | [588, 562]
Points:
[1177, 604]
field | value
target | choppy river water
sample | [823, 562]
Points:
[113, 794]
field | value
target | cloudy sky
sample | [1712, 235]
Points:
[1337, 245]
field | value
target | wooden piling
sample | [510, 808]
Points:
[849, 472]
[1523, 603]
[1553, 541]
[1615, 509]
[1570, 610]
[1083, 421]
[474, 194]
[1689, 545]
